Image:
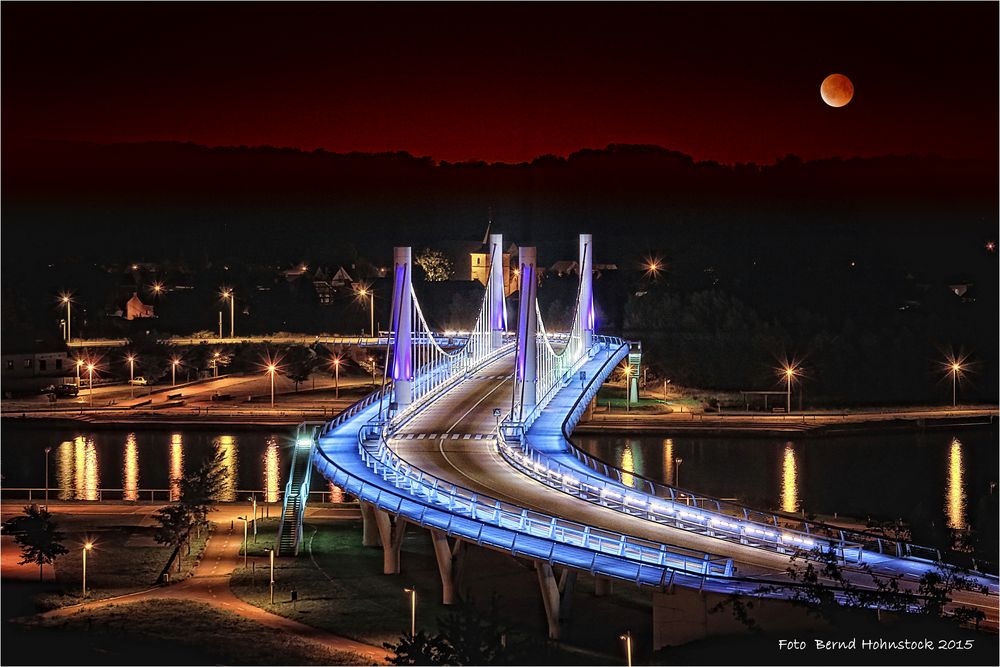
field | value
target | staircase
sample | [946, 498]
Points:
[296, 492]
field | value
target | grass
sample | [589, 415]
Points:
[341, 589]
[164, 632]
[124, 558]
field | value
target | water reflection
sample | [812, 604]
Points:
[956, 499]
[627, 465]
[271, 474]
[78, 474]
[130, 476]
[789, 481]
[176, 465]
[226, 446]
[668, 461]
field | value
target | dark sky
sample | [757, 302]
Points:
[508, 82]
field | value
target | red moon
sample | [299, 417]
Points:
[837, 90]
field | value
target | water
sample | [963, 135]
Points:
[87, 463]
[936, 473]
[939, 473]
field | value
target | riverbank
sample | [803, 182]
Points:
[808, 424]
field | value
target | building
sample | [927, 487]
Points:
[32, 369]
[479, 267]
[135, 309]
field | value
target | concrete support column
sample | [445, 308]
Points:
[586, 312]
[497, 303]
[567, 582]
[449, 561]
[588, 414]
[369, 530]
[391, 535]
[550, 596]
[602, 587]
[527, 331]
[402, 326]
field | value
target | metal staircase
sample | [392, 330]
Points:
[297, 491]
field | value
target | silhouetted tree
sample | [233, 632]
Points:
[175, 524]
[298, 364]
[38, 537]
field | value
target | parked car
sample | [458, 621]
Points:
[62, 390]
[139, 381]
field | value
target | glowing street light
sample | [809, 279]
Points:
[156, 288]
[336, 370]
[956, 367]
[131, 374]
[627, 637]
[66, 298]
[677, 470]
[789, 371]
[227, 293]
[370, 293]
[86, 547]
[653, 266]
[90, 389]
[271, 370]
[413, 610]
[173, 371]
[215, 363]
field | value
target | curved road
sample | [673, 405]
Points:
[452, 438]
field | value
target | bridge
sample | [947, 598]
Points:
[472, 442]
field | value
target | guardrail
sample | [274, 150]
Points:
[684, 509]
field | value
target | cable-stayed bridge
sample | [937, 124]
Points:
[473, 443]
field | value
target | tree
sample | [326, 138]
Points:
[200, 488]
[38, 537]
[437, 267]
[299, 363]
[175, 524]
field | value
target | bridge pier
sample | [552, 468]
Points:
[603, 587]
[369, 526]
[402, 327]
[391, 533]
[450, 561]
[567, 584]
[550, 596]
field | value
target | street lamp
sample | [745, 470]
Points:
[245, 522]
[86, 547]
[677, 470]
[956, 368]
[79, 363]
[371, 360]
[789, 375]
[370, 293]
[227, 293]
[67, 299]
[253, 499]
[131, 374]
[271, 370]
[47, 450]
[413, 610]
[90, 390]
[272, 576]
[628, 646]
[336, 370]
[215, 363]
[173, 371]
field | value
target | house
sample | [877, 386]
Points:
[135, 309]
[32, 367]
[565, 267]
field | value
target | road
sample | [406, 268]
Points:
[474, 463]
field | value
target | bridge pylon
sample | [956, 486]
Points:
[526, 361]
[495, 288]
[586, 310]
[402, 327]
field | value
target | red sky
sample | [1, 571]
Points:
[508, 82]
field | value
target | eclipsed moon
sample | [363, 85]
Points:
[837, 90]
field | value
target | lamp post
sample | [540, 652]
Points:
[215, 364]
[956, 368]
[173, 371]
[370, 293]
[253, 499]
[628, 647]
[272, 576]
[789, 374]
[245, 521]
[65, 298]
[86, 547]
[47, 450]
[79, 363]
[271, 370]
[336, 370]
[413, 610]
[90, 389]
[677, 470]
[131, 374]
[228, 294]
[371, 360]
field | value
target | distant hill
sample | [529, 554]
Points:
[184, 169]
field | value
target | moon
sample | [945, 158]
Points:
[837, 90]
